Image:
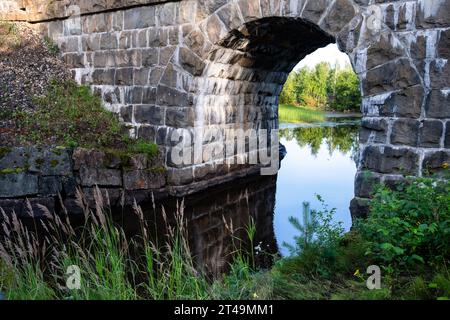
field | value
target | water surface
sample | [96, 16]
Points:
[321, 160]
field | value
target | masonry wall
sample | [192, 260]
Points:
[33, 177]
[216, 65]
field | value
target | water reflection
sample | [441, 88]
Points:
[343, 138]
[320, 160]
[217, 220]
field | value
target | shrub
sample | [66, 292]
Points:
[409, 227]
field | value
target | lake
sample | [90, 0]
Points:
[321, 160]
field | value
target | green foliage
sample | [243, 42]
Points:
[340, 138]
[144, 147]
[409, 227]
[9, 36]
[51, 46]
[293, 114]
[323, 87]
[71, 115]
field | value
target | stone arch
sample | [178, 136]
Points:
[152, 59]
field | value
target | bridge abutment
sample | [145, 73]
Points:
[212, 66]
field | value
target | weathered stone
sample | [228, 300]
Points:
[50, 186]
[167, 14]
[229, 15]
[431, 134]
[178, 177]
[433, 13]
[138, 162]
[52, 162]
[149, 57]
[390, 76]
[365, 183]
[141, 76]
[359, 208]
[215, 29]
[406, 103]
[139, 18]
[250, 9]
[390, 160]
[126, 112]
[447, 135]
[373, 130]
[340, 14]
[314, 10]
[101, 177]
[143, 180]
[72, 207]
[436, 163]
[124, 76]
[69, 186]
[87, 158]
[190, 62]
[11, 206]
[14, 158]
[149, 114]
[103, 76]
[382, 51]
[180, 117]
[147, 132]
[405, 131]
[171, 97]
[438, 105]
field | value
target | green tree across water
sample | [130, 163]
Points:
[341, 138]
[323, 87]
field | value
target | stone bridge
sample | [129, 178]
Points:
[181, 66]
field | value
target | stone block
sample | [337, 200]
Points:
[101, 177]
[139, 18]
[431, 133]
[182, 176]
[143, 180]
[438, 105]
[405, 132]
[390, 160]
[180, 117]
[391, 76]
[49, 186]
[149, 114]
[436, 163]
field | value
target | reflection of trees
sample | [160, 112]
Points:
[340, 138]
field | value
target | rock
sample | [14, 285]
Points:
[359, 208]
[437, 105]
[365, 184]
[390, 160]
[149, 114]
[18, 185]
[143, 180]
[405, 132]
[436, 163]
[101, 177]
[373, 130]
[11, 206]
[431, 133]
[50, 186]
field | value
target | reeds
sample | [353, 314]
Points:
[35, 257]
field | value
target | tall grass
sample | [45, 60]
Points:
[293, 114]
[112, 265]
